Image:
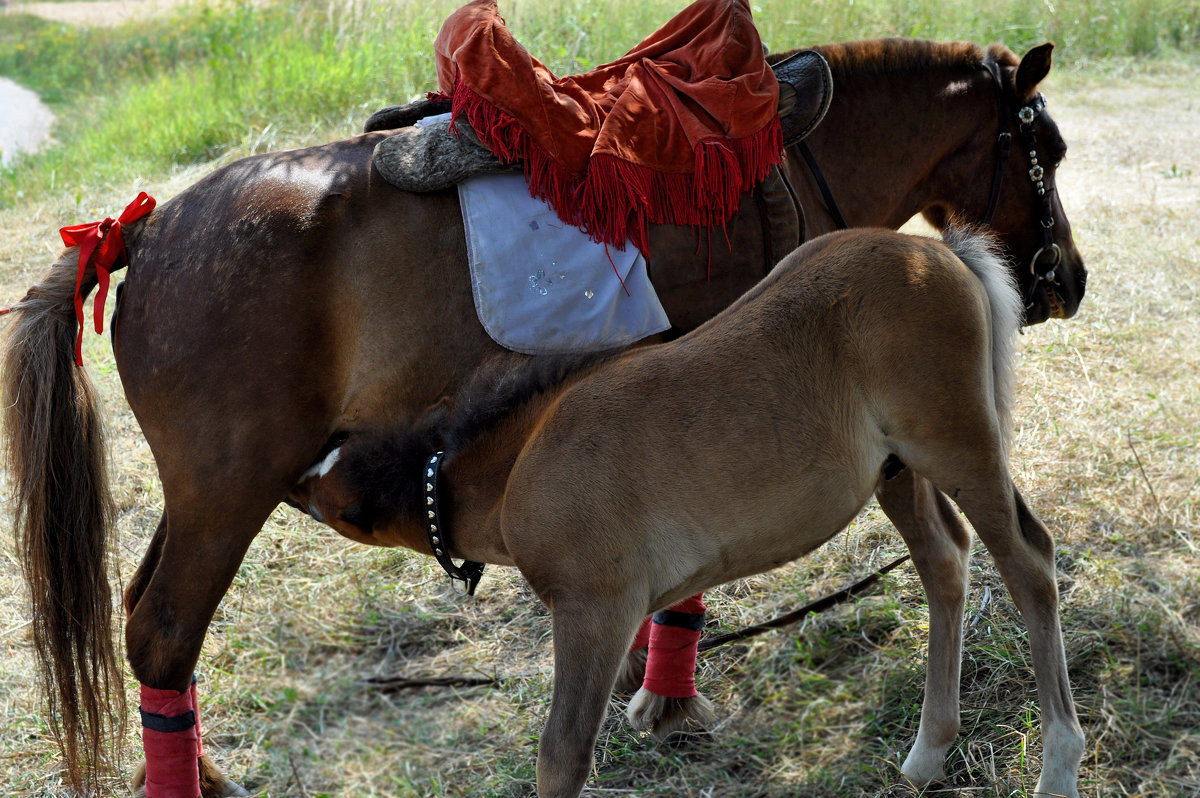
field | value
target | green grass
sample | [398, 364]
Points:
[238, 77]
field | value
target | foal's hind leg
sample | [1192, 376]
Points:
[1024, 553]
[939, 542]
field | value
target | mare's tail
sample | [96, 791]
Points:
[981, 255]
[63, 513]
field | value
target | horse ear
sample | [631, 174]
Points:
[1033, 69]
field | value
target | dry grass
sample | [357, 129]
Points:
[1107, 450]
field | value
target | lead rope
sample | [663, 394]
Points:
[820, 605]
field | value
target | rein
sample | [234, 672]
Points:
[469, 573]
[820, 605]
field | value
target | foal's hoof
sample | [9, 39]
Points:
[669, 718]
[633, 671]
[920, 775]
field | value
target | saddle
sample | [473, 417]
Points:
[432, 158]
[769, 222]
[674, 147]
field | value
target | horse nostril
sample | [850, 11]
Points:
[315, 512]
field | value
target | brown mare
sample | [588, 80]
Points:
[731, 451]
[290, 298]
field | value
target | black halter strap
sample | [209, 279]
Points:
[1046, 259]
[1003, 139]
[469, 573]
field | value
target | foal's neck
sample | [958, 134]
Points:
[477, 477]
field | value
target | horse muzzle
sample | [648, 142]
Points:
[1058, 282]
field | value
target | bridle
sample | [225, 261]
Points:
[1044, 262]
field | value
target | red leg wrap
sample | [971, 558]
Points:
[671, 661]
[171, 740]
[196, 709]
[642, 638]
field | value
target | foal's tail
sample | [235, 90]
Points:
[63, 513]
[980, 253]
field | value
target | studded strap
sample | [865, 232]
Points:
[469, 573]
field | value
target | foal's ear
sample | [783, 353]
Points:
[1033, 70]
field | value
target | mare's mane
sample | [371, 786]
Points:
[891, 55]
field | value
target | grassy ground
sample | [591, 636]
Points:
[1107, 450]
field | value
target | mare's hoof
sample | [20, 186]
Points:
[213, 783]
[670, 719]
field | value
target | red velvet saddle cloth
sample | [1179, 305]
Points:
[672, 133]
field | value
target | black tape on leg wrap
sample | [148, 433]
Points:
[682, 620]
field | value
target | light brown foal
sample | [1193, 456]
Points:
[667, 470]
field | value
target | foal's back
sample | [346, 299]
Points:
[757, 437]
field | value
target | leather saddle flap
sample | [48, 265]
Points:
[805, 92]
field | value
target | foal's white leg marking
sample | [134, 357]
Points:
[1062, 749]
[938, 542]
[322, 468]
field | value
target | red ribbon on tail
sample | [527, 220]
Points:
[108, 242]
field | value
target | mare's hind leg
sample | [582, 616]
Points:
[591, 636]
[939, 542]
[190, 563]
[213, 783]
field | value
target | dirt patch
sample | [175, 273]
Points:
[25, 123]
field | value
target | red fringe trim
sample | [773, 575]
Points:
[616, 200]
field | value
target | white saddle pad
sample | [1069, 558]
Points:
[541, 286]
